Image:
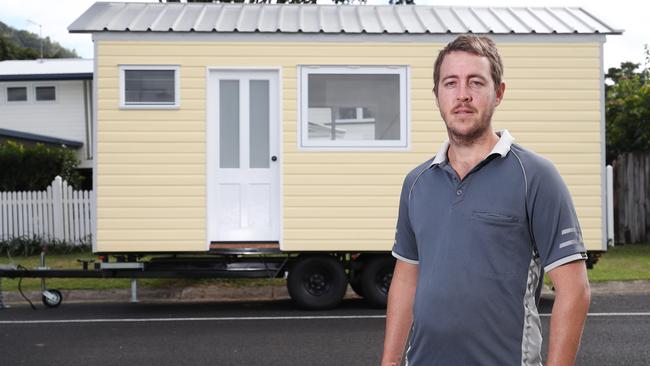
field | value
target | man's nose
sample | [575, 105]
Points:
[463, 94]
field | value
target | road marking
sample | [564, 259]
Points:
[233, 318]
[246, 318]
[608, 314]
[618, 314]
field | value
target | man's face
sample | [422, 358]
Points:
[466, 95]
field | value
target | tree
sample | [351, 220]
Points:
[628, 108]
[9, 50]
[22, 45]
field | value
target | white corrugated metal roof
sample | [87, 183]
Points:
[414, 19]
[52, 66]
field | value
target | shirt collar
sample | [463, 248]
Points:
[502, 147]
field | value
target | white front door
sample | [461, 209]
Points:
[243, 156]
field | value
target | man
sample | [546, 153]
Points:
[478, 226]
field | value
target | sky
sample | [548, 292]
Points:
[629, 15]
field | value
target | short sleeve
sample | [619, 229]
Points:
[553, 219]
[405, 247]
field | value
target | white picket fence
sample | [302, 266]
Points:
[58, 213]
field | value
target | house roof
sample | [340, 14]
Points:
[46, 69]
[308, 18]
[26, 136]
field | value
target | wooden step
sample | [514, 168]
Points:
[244, 245]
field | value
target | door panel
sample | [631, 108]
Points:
[259, 214]
[230, 206]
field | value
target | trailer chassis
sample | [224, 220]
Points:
[315, 280]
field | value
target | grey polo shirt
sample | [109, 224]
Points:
[480, 245]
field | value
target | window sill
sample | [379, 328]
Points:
[149, 106]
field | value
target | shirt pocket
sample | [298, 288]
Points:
[499, 244]
[495, 217]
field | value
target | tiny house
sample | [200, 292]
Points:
[260, 128]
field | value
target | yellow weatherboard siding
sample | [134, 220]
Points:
[151, 180]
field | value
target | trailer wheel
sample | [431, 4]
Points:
[317, 282]
[52, 298]
[375, 280]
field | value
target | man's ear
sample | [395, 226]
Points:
[500, 92]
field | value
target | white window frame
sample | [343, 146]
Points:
[403, 144]
[41, 84]
[174, 105]
[17, 102]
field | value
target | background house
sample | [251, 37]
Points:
[49, 101]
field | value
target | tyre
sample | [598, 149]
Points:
[375, 280]
[317, 282]
[53, 300]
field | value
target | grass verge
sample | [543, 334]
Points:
[623, 263]
[69, 261]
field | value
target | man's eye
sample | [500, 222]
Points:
[476, 83]
[449, 84]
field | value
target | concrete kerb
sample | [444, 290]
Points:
[187, 294]
[621, 287]
[610, 288]
[253, 293]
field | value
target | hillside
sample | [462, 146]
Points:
[22, 45]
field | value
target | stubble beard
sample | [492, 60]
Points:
[480, 128]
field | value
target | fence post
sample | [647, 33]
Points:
[2, 305]
[610, 205]
[57, 207]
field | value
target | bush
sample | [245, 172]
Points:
[24, 246]
[628, 108]
[33, 168]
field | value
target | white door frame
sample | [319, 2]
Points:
[212, 141]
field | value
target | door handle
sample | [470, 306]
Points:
[274, 158]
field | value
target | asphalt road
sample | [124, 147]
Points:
[262, 333]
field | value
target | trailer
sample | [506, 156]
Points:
[315, 281]
[271, 140]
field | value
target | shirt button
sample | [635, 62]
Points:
[459, 192]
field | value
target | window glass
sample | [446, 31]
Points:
[17, 94]
[259, 124]
[45, 93]
[348, 108]
[149, 87]
[229, 124]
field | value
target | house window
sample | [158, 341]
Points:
[45, 93]
[361, 107]
[149, 87]
[17, 94]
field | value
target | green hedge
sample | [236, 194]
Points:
[34, 167]
[24, 246]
